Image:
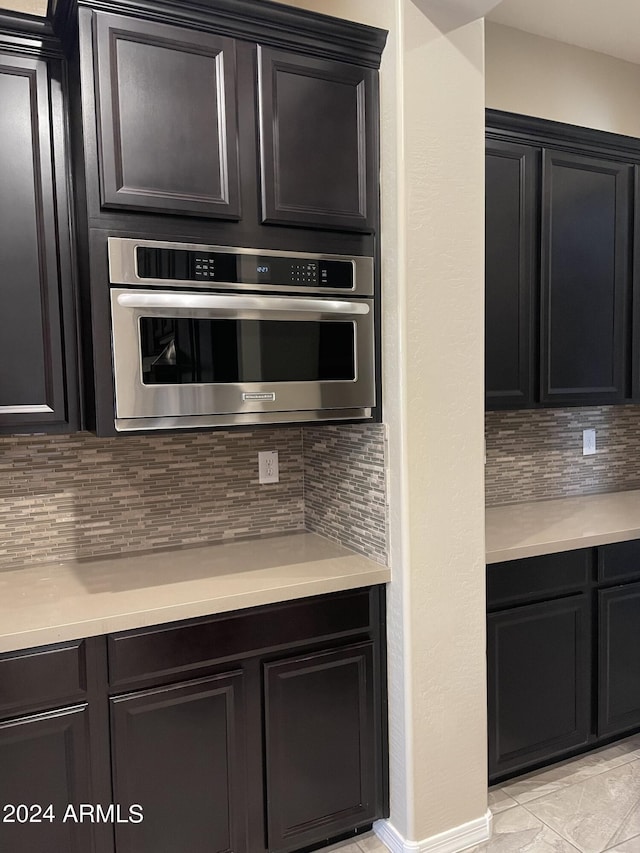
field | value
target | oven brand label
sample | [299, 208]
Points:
[256, 395]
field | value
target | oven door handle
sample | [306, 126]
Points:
[219, 302]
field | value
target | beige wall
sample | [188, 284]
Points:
[34, 7]
[540, 77]
[372, 12]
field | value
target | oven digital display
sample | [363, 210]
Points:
[228, 268]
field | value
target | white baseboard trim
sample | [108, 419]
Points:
[452, 841]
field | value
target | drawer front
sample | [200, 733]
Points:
[620, 561]
[44, 677]
[158, 653]
[538, 577]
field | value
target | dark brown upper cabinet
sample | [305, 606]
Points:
[317, 137]
[560, 255]
[223, 123]
[512, 175]
[237, 123]
[167, 118]
[586, 279]
[37, 337]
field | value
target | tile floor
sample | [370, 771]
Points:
[588, 804]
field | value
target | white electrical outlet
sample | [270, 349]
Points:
[268, 471]
[588, 442]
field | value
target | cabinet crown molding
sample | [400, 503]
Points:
[253, 20]
[557, 134]
[28, 34]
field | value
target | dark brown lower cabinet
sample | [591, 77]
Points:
[320, 745]
[178, 760]
[563, 654]
[619, 659]
[44, 769]
[247, 732]
[539, 681]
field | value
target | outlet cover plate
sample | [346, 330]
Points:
[588, 442]
[268, 469]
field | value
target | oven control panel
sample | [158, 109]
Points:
[186, 265]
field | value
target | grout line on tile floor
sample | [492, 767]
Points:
[565, 785]
[613, 841]
[620, 843]
[554, 829]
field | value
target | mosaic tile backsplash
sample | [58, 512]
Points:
[78, 496]
[537, 454]
[344, 486]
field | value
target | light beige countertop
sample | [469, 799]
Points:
[52, 602]
[543, 527]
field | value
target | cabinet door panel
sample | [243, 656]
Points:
[619, 659]
[320, 746]
[317, 137]
[167, 130]
[585, 279]
[43, 760]
[538, 659]
[179, 753]
[512, 177]
[31, 357]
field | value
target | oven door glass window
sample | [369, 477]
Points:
[185, 351]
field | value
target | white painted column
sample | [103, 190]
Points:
[434, 406]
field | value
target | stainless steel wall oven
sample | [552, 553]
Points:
[215, 336]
